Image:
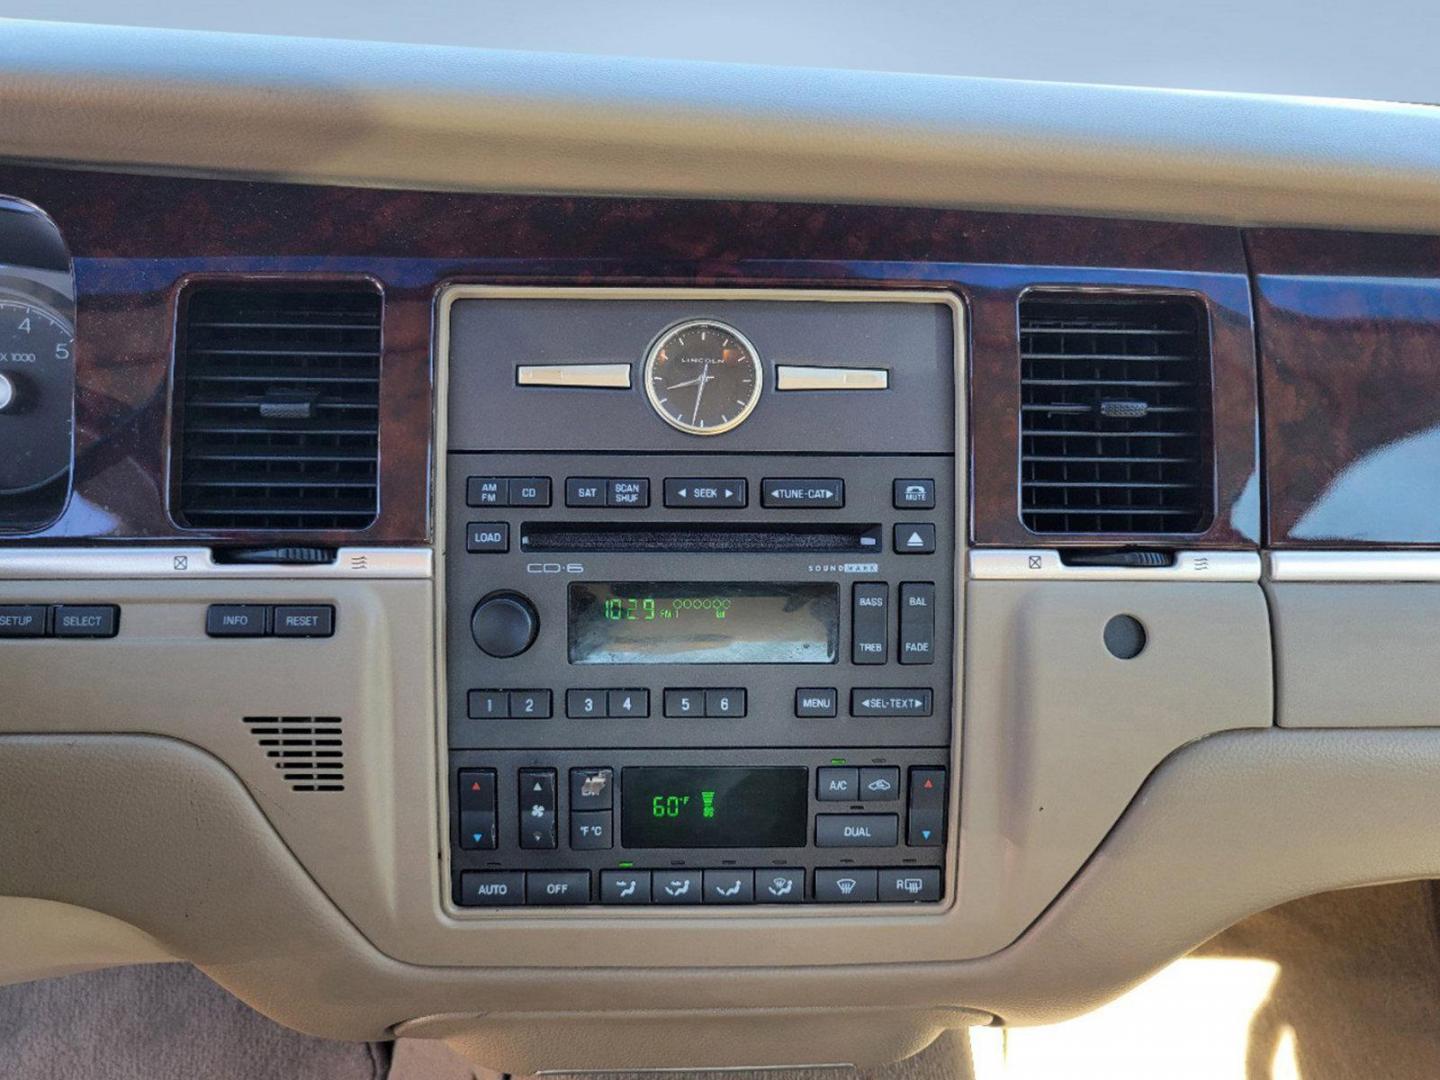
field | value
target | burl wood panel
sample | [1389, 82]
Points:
[1349, 329]
[138, 239]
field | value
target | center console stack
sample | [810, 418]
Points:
[695, 655]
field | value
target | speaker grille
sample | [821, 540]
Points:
[309, 751]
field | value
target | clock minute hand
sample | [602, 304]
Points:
[704, 378]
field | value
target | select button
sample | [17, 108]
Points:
[90, 621]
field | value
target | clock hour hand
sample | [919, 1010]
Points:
[687, 382]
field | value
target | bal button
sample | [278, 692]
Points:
[504, 624]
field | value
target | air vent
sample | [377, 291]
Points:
[1115, 415]
[309, 751]
[279, 417]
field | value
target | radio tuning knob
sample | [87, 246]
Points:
[504, 624]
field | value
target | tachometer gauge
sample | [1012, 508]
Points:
[703, 377]
[37, 377]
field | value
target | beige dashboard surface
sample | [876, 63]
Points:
[442, 117]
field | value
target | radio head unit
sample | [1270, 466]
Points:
[698, 668]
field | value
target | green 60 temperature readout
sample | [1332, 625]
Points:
[647, 608]
[686, 806]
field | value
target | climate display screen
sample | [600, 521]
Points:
[677, 807]
[647, 622]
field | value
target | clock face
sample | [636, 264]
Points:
[703, 377]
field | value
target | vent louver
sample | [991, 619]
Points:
[309, 751]
[279, 415]
[1115, 415]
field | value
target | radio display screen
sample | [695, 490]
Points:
[649, 622]
[681, 807]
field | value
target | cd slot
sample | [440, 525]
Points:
[731, 538]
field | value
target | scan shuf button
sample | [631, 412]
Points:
[312, 621]
[236, 620]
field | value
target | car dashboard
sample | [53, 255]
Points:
[480, 591]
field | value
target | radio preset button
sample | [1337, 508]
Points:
[856, 830]
[704, 493]
[530, 705]
[917, 623]
[870, 623]
[845, 886]
[628, 703]
[837, 784]
[816, 701]
[586, 704]
[725, 703]
[487, 705]
[584, 491]
[683, 703]
[914, 494]
[627, 493]
[802, 494]
[917, 538]
[868, 702]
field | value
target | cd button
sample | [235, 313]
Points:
[530, 491]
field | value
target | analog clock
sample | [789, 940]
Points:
[703, 377]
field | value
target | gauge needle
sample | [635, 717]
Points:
[704, 378]
[687, 382]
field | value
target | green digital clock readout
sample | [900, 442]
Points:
[647, 622]
[723, 807]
